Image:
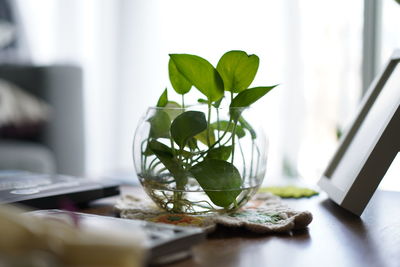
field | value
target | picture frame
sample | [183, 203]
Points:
[368, 147]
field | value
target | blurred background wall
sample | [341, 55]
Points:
[315, 50]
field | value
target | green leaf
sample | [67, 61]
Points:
[188, 154]
[163, 100]
[192, 143]
[159, 125]
[202, 137]
[159, 148]
[173, 109]
[220, 180]
[165, 155]
[248, 127]
[228, 126]
[201, 74]
[173, 105]
[215, 104]
[147, 152]
[222, 153]
[178, 81]
[202, 101]
[246, 98]
[187, 125]
[237, 70]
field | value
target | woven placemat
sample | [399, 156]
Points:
[265, 213]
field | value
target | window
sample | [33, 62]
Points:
[311, 48]
[388, 41]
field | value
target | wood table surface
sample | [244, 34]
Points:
[335, 237]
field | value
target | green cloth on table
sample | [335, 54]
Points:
[289, 191]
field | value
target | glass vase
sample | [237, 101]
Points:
[200, 159]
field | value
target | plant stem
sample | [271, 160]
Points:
[216, 143]
[183, 101]
[233, 134]
[244, 160]
[151, 167]
[172, 145]
[252, 157]
[258, 159]
[143, 157]
[218, 134]
[233, 142]
[160, 171]
[235, 203]
[180, 157]
[177, 208]
[208, 124]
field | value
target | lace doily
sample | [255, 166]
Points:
[265, 213]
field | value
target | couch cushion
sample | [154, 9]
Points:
[22, 115]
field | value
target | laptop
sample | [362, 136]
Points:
[51, 193]
[164, 243]
[47, 191]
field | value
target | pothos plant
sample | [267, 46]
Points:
[193, 145]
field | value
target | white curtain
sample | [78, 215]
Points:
[311, 48]
[85, 33]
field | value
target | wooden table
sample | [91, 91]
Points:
[334, 238]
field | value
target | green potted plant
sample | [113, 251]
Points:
[207, 157]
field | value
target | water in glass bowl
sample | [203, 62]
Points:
[193, 199]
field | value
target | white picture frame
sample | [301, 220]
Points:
[369, 146]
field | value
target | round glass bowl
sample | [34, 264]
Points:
[200, 159]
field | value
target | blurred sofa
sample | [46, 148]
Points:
[59, 147]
